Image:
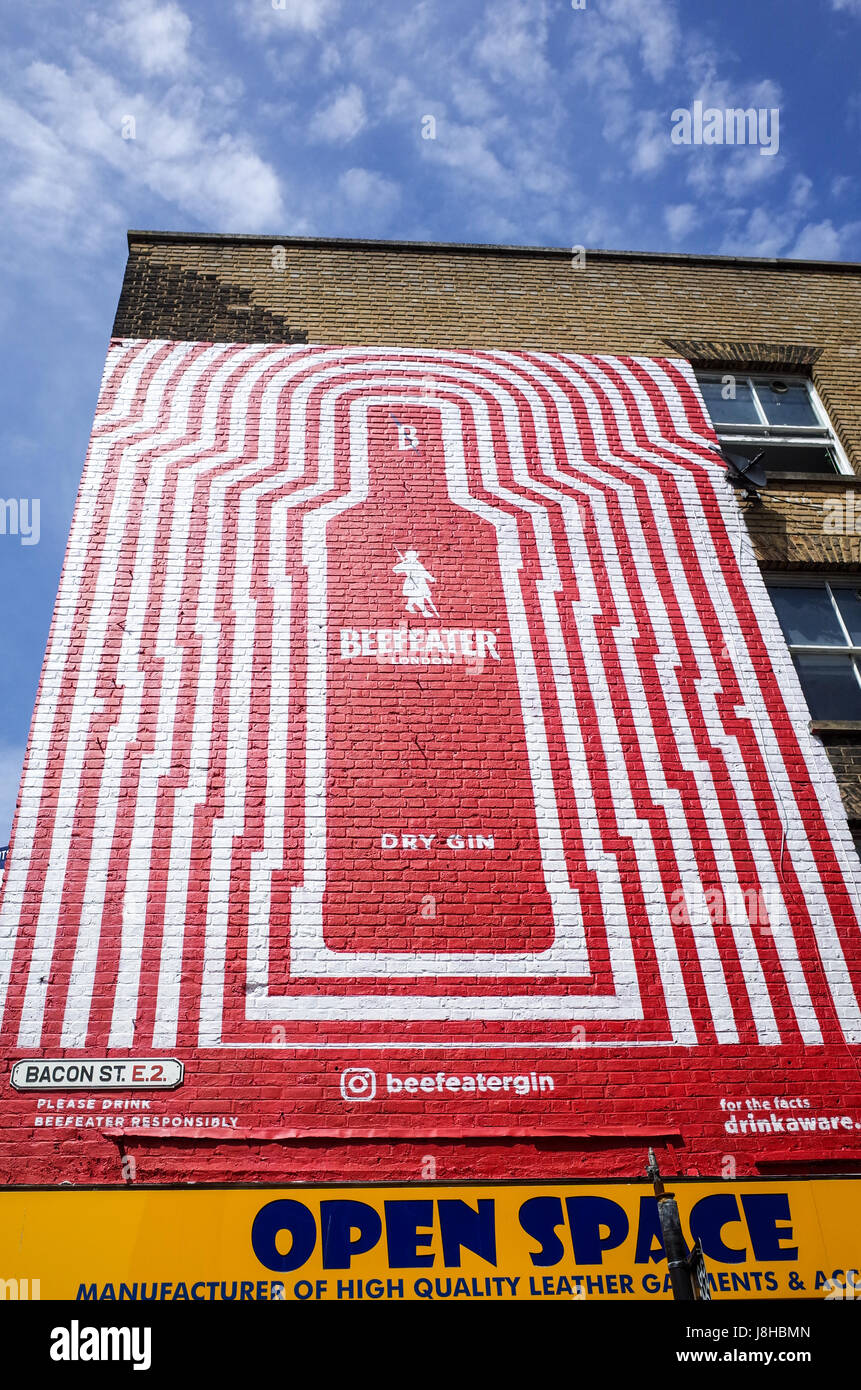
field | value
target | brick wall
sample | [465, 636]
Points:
[262, 290]
[175, 750]
[718, 312]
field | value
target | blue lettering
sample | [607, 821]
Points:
[283, 1215]
[402, 1236]
[763, 1210]
[708, 1218]
[539, 1217]
[649, 1231]
[470, 1228]
[586, 1217]
[338, 1220]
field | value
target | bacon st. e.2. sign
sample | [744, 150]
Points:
[474, 1242]
[414, 712]
[97, 1074]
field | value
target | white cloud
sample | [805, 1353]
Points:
[617, 105]
[226, 185]
[763, 232]
[288, 17]
[781, 229]
[471, 97]
[681, 218]
[655, 28]
[535, 171]
[600, 36]
[67, 155]
[11, 763]
[818, 241]
[154, 36]
[652, 144]
[801, 192]
[369, 190]
[703, 177]
[401, 99]
[514, 36]
[341, 119]
[713, 92]
[48, 187]
[611, 49]
[308, 15]
[465, 148]
[743, 169]
[851, 6]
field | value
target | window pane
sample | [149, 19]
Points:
[785, 403]
[806, 615]
[830, 685]
[849, 603]
[787, 458]
[740, 411]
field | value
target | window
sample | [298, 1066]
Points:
[780, 417]
[822, 626]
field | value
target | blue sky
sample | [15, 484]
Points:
[552, 125]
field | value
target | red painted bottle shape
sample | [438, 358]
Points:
[433, 838]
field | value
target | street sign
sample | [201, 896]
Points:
[97, 1074]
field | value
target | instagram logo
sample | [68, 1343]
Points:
[358, 1083]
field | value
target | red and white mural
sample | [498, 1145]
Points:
[423, 713]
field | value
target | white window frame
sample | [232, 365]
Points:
[765, 433]
[830, 583]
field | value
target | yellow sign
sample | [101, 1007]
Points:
[760, 1239]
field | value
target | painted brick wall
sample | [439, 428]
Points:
[418, 760]
[722, 313]
[711, 309]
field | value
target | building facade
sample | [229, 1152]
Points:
[442, 771]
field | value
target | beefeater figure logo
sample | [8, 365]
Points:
[416, 584]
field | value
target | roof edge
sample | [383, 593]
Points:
[490, 248]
